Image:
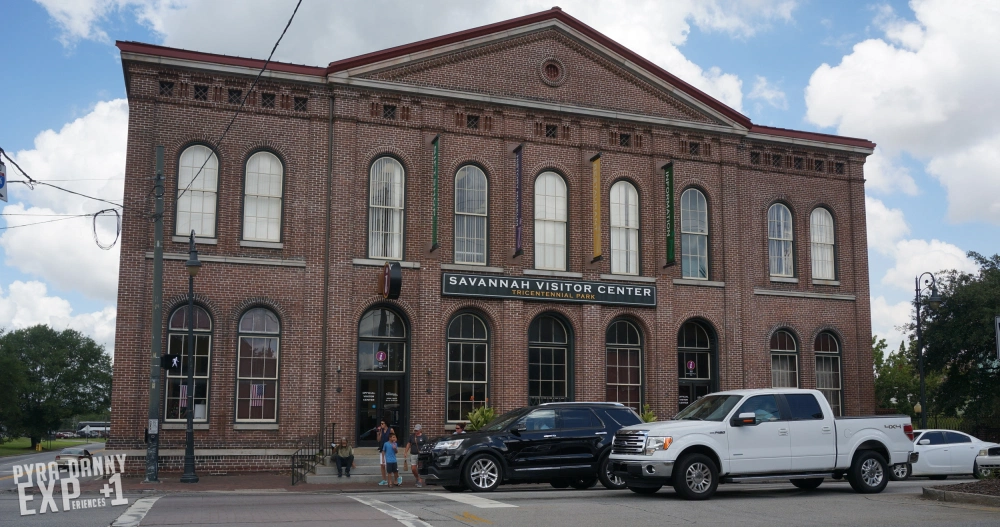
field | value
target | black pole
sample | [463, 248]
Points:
[153, 423]
[920, 357]
[189, 475]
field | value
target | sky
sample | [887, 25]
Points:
[917, 78]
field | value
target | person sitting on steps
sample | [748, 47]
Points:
[343, 455]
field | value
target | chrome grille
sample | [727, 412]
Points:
[629, 442]
[994, 451]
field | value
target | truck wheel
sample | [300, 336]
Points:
[482, 473]
[807, 484]
[867, 474]
[608, 479]
[644, 490]
[696, 477]
[583, 483]
[980, 473]
[455, 488]
[900, 472]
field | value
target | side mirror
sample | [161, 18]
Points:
[744, 419]
[924, 442]
[518, 428]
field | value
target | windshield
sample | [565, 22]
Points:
[72, 451]
[709, 408]
[499, 423]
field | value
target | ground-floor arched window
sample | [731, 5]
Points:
[695, 362]
[828, 373]
[623, 351]
[468, 370]
[549, 360]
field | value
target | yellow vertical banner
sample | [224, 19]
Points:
[595, 163]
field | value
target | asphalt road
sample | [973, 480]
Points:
[7, 463]
[738, 505]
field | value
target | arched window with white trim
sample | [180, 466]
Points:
[385, 209]
[550, 222]
[262, 195]
[779, 241]
[471, 195]
[177, 344]
[197, 192]
[821, 235]
[468, 365]
[694, 235]
[624, 228]
[828, 372]
[257, 366]
[784, 360]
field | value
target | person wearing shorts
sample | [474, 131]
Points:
[382, 435]
[413, 445]
[391, 467]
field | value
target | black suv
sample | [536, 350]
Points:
[565, 444]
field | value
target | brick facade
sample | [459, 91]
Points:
[319, 280]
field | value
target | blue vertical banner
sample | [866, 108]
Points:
[518, 223]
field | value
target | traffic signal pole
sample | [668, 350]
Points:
[153, 429]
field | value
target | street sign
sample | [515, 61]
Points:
[3, 182]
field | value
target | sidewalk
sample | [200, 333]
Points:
[251, 482]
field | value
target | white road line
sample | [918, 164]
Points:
[406, 518]
[134, 514]
[475, 501]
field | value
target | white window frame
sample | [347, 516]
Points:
[780, 241]
[618, 349]
[694, 235]
[263, 189]
[180, 335]
[823, 238]
[551, 249]
[785, 363]
[462, 341]
[386, 206]
[624, 228]
[475, 222]
[835, 396]
[197, 207]
[268, 333]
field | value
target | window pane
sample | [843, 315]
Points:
[262, 201]
[196, 206]
[385, 221]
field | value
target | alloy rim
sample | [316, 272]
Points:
[900, 471]
[484, 473]
[871, 472]
[698, 477]
[615, 480]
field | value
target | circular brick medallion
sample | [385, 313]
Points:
[552, 71]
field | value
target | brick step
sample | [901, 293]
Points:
[361, 469]
[408, 480]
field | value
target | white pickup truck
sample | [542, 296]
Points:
[756, 435]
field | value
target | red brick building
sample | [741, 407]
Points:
[571, 222]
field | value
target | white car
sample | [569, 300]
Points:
[945, 453]
[989, 463]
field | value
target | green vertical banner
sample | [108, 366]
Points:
[434, 220]
[668, 179]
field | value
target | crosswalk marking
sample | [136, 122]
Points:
[406, 518]
[475, 501]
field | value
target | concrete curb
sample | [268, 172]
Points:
[961, 497]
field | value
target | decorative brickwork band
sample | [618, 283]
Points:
[434, 207]
[595, 163]
[668, 178]
[518, 223]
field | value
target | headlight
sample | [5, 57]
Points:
[983, 452]
[655, 443]
[449, 445]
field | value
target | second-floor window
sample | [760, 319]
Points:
[624, 228]
[550, 222]
[694, 235]
[779, 240]
[470, 215]
[262, 198]
[822, 238]
[385, 210]
[197, 191]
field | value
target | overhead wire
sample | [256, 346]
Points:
[32, 182]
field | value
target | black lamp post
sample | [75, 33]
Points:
[934, 300]
[193, 265]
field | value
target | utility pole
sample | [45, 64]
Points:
[153, 431]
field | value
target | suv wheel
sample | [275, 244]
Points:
[696, 477]
[455, 488]
[900, 472]
[867, 474]
[560, 484]
[583, 483]
[482, 473]
[608, 479]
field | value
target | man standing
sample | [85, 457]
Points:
[413, 446]
[344, 456]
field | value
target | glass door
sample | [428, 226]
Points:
[380, 399]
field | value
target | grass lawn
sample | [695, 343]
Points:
[23, 445]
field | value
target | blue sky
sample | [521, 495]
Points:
[917, 78]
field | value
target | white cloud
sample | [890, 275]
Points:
[88, 154]
[765, 91]
[914, 257]
[27, 304]
[888, 318]
[321, 34]
[885, 226]
[885, 176]
[928, 88]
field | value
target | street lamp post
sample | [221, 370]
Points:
[193, 265]
[934, 300]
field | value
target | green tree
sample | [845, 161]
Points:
[65, 373]
[961, 342]
[12, 382]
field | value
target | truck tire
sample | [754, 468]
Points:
[609, 480]
[901, 472]
[696, 477]
[808, 483]
[482, 473]
[868, 473]
[645, 490]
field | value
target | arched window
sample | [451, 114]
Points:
[623, 348]
[695, 347]
[548, 361]
[694, 235]
[262, 198]
[196, 205]
[257, 366]
[177, 342]
[468, 370]
[470, 215]
[784, 360]
[779, 240]
[382, 330]
[828, 377]
[822, 238]
[624, 228]
[385, 210]
[550, 222]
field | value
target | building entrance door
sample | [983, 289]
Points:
[691, 392]
[380, 398]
